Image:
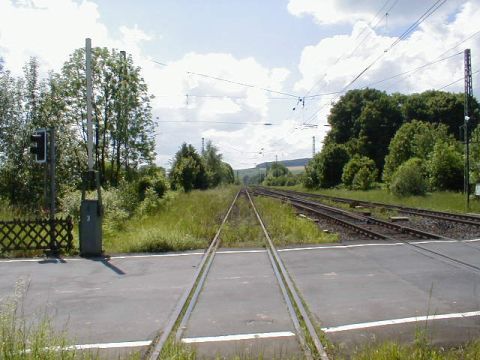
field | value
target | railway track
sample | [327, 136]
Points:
[370, 227]
[439, 215]
[365, 225]
[303, 324]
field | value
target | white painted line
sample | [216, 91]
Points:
[155, 255]
[433, 242]
[472, 240]
[128, 344]
[240, 251]
[400, 321]
[238, 337]
[336, 247]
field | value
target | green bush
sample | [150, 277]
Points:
[359, 173]
[364, 179]
[409, 179]
[445, 167]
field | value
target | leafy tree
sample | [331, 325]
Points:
[359, 173]
[227, 175]
[325, 169]
[277, 169]
[124, 129]
[413, 139]
[409, 178]
[213, 164]
[188, 170]
[438, 107]
[365, 120]
[445, 167]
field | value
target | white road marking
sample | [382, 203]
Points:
[400, 321]
[127, 344]
[341, 247]
[238, 337]
[240, 251]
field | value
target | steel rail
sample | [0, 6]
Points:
[157, 344]
[366, 220]
[440, 215]
[420, 249]
[277, 261]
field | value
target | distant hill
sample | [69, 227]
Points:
[296, 166]
[287, 163]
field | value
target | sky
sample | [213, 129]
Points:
[283, 62]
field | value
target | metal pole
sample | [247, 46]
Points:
[313, 146]
[203, 145]
[53, 195]
[88, 73]
[468, 95]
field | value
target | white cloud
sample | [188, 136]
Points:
[330, 12]
[319, 66]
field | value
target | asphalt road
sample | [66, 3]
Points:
[241, 298]
[359, 293]
[365, 293]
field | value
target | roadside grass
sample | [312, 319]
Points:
[421, 349]
[183, 221]
[286, 228]
[442, 201]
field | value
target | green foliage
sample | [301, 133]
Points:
[188, 170]
[413, 139]
[359, 173]
[181, 221]
[445, 167]
[409, 179]
[218, 172]
[122, 115]
[279, 175]
[325, 169]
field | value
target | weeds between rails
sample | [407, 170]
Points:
[306, 333]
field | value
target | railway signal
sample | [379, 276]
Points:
[39, 148]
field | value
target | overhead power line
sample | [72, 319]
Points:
[232, 81]
[216, 122]
[432, 9]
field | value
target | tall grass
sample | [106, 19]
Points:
[442, 201]
[183, 221]
[286, 228]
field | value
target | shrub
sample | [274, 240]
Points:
[409, 179]
[359, 173]
[364, 179]
[445, 167]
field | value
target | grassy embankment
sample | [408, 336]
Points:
[184, 221]
[443, 201]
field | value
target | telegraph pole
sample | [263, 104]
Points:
[468, 96]
[203, 145]
[313, 146]
[88, 63]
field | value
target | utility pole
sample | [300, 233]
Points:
[468, 96]
[203, 145]
[88, 66]
[313, 146]
[53, 195]
[276, 159]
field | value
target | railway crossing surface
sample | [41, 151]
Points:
[358, 293]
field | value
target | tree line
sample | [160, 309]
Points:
[410, 142]
[124, 131]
